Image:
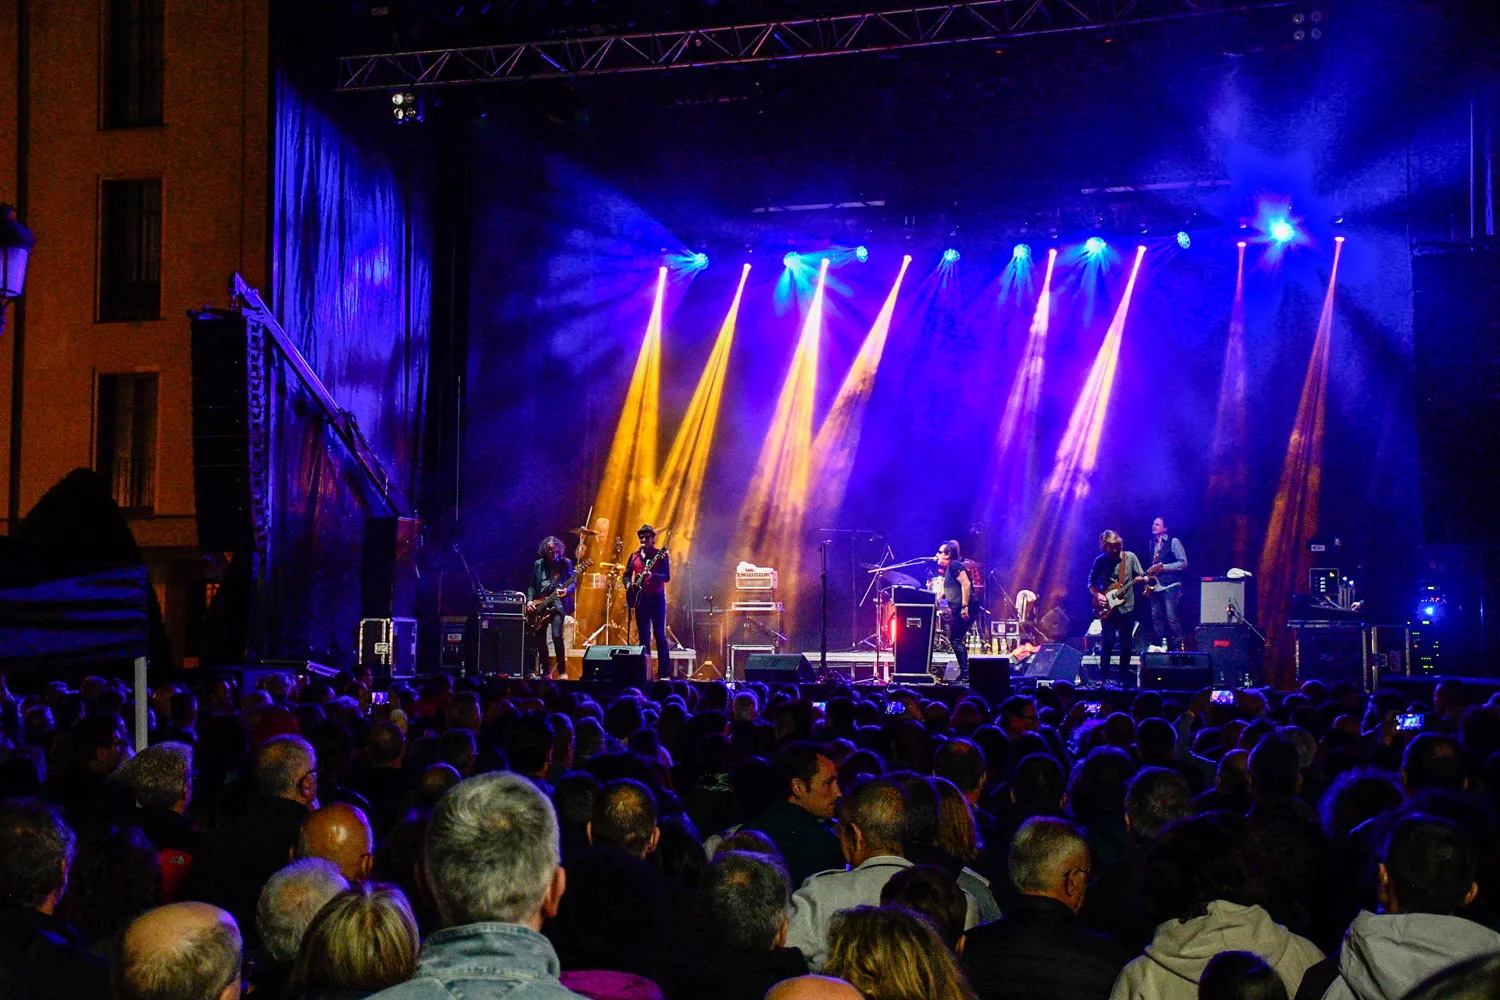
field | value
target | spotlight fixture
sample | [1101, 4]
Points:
[1021, 252]
[1282, 231]
[1094, 246]
[1338, 239]
[950, 255]
[1241, 244]
[789, 259]
[861, 254]
[1184, 240]
[401, 97]
[405, 108]
[700, 259]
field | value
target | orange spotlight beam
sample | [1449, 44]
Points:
[1047, 556]
[837, 442]
[1294, 514]
[681, 477]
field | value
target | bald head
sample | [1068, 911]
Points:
[436, 781]
[813, 988]
[185, 951]
[341, 834]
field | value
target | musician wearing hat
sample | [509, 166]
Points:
[646, 575]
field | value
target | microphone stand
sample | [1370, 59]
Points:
[823, 641]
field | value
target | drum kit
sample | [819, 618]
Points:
[885, 580]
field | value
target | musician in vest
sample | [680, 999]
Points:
[1164, 593]
[646, 576]
[1112, 582]
[550, 578]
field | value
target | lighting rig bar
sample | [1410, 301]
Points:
[767, 41]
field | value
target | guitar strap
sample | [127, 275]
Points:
[1120, 576]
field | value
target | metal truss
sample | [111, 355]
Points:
[766, 41]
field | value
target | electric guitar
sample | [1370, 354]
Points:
[1108, 602]
[540, 616]
[633, 588]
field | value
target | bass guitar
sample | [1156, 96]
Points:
[540, 615]
[633, 588]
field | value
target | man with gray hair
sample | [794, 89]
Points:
[288, 903]
[1155, 798]
[248, 849]
[492, 862]
[872, 831]
[185, 951]
[160, 780]
[1039, 950]
[744, 899]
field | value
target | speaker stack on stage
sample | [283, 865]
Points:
[1236, 652]
[1055, 661]
[779, 668]
[623, 665]
[914, 623]
[388, 597]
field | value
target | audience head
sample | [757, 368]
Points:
[290, 900]
[364, 939]
[387, 744]
[891, 953]
[1239, 975]
[872, 820]
[1429, 866]
[813, 988]
[624, 817]
[185, 951]
[961, 762]
[1233, 777]
[99, 742]
[529, 747]
[746, 898]
[1433, 761]
[809, 777]
[1096, 790]
[1202, 859]
[285, 767]
[957, 830]
[341, 834]
[492, 853]
[115, 877]
[1355, 797]
[1476, 979]
[1038, 782]
[1275, 769]
[935, 894]
[160, 776]
[36, 852]
[1018, 715]
[1155, 798]
[1049, 857]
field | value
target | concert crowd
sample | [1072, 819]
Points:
[310, 839]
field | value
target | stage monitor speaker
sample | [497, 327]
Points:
[1237, 654]
[779, 668]
[1055, 661]
[388, 570]
[222, 434]
[1222, 600]
[1175, 672]
[502, 645]
[388, 646]
[989, 677]
[623, 665]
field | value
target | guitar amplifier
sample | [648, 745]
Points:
[502, 645]
[502, 602]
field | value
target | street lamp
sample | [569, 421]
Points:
[16, 242]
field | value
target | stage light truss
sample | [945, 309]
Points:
[766, 41]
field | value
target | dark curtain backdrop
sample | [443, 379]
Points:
[352, 285]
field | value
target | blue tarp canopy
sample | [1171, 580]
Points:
[100, 617]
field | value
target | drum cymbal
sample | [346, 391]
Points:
[896, 579]
[586, 532]
[599, 566]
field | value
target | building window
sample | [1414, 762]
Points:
[129, 250]
[126, 439]
[134, 59]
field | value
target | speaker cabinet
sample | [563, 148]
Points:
[1222, 600]
[989, 677]
[623, 665]
[914, 623]
[1175, 672]
[779, 668]
[502, 645]
[222, 356]
[1055, 661]
[1236, 652]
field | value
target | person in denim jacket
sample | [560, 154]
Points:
[492, 860]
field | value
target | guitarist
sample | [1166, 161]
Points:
[1164, 592]
[1113, 580]
[646, 576]
[549, 575]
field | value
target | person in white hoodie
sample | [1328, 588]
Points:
[1206, 874]
[1427, 874]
